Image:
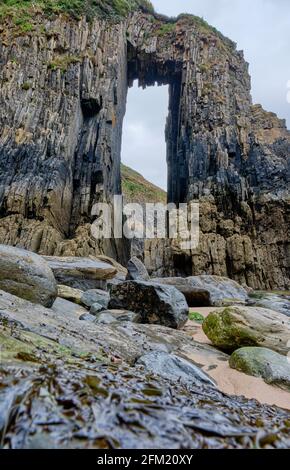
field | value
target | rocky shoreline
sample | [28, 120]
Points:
[82, 374]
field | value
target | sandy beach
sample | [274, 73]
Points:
[229, 380]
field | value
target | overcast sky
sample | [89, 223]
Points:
[260, 27]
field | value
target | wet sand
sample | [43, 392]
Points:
[229, 380]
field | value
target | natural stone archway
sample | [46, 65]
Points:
[148, 69]
[63, 99]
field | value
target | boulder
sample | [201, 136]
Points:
[96, 308]
[70, 294]
[222, 290]
[87, 317]
[239, 326]
[174, 368]
[95, 296]
[121, 271]
[261, 362]
[195, 296]
[278, 302]
[65, 307]
[124, 316]
[137, 270]
[81, 273]
[157, 304]
[61, 324]
[26, 275]
[105, 318]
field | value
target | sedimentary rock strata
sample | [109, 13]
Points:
[63, 98]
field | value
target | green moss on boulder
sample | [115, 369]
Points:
[224, 333]
[262, 362]
[239, 326]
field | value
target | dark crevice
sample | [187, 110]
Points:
[91, 107]
[87, 167]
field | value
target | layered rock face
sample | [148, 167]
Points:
[63, 98]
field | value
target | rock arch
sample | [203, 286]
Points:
[63, 95]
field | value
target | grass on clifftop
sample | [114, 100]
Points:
[137, 189]
[90, 8]
[23, 12]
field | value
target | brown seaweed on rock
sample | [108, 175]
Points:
[116, 406]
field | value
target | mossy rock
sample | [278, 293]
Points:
[220, 328]
[15, 350]
[264, 363]
[238, 326]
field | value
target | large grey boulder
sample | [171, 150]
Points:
[157, 304]
[137, 270]
[174, 368]
[205, 291]
[80, 273]
[261, 362]
[239, 326]
[278, 302]
[222, 290]
[26, 275]
[195, 296]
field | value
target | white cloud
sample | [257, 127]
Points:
[144, 147]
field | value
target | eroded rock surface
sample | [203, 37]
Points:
[174, 368]
[27, 275]
[208, 290]
[95, 296]
[71, 308]
[124, 316]
[222, 290]
[53, 362]
[80, 273]
[70, 294]
[137, 271]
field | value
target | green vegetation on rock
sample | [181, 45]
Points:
[63, 62]
[241, 326]
[166, 28]
[23, 10]
[225, 333]
[197, 317]
[137, 189]
[30, 347]
[262, 362]
[23, 13]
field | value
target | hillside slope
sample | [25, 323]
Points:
[137, 189]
